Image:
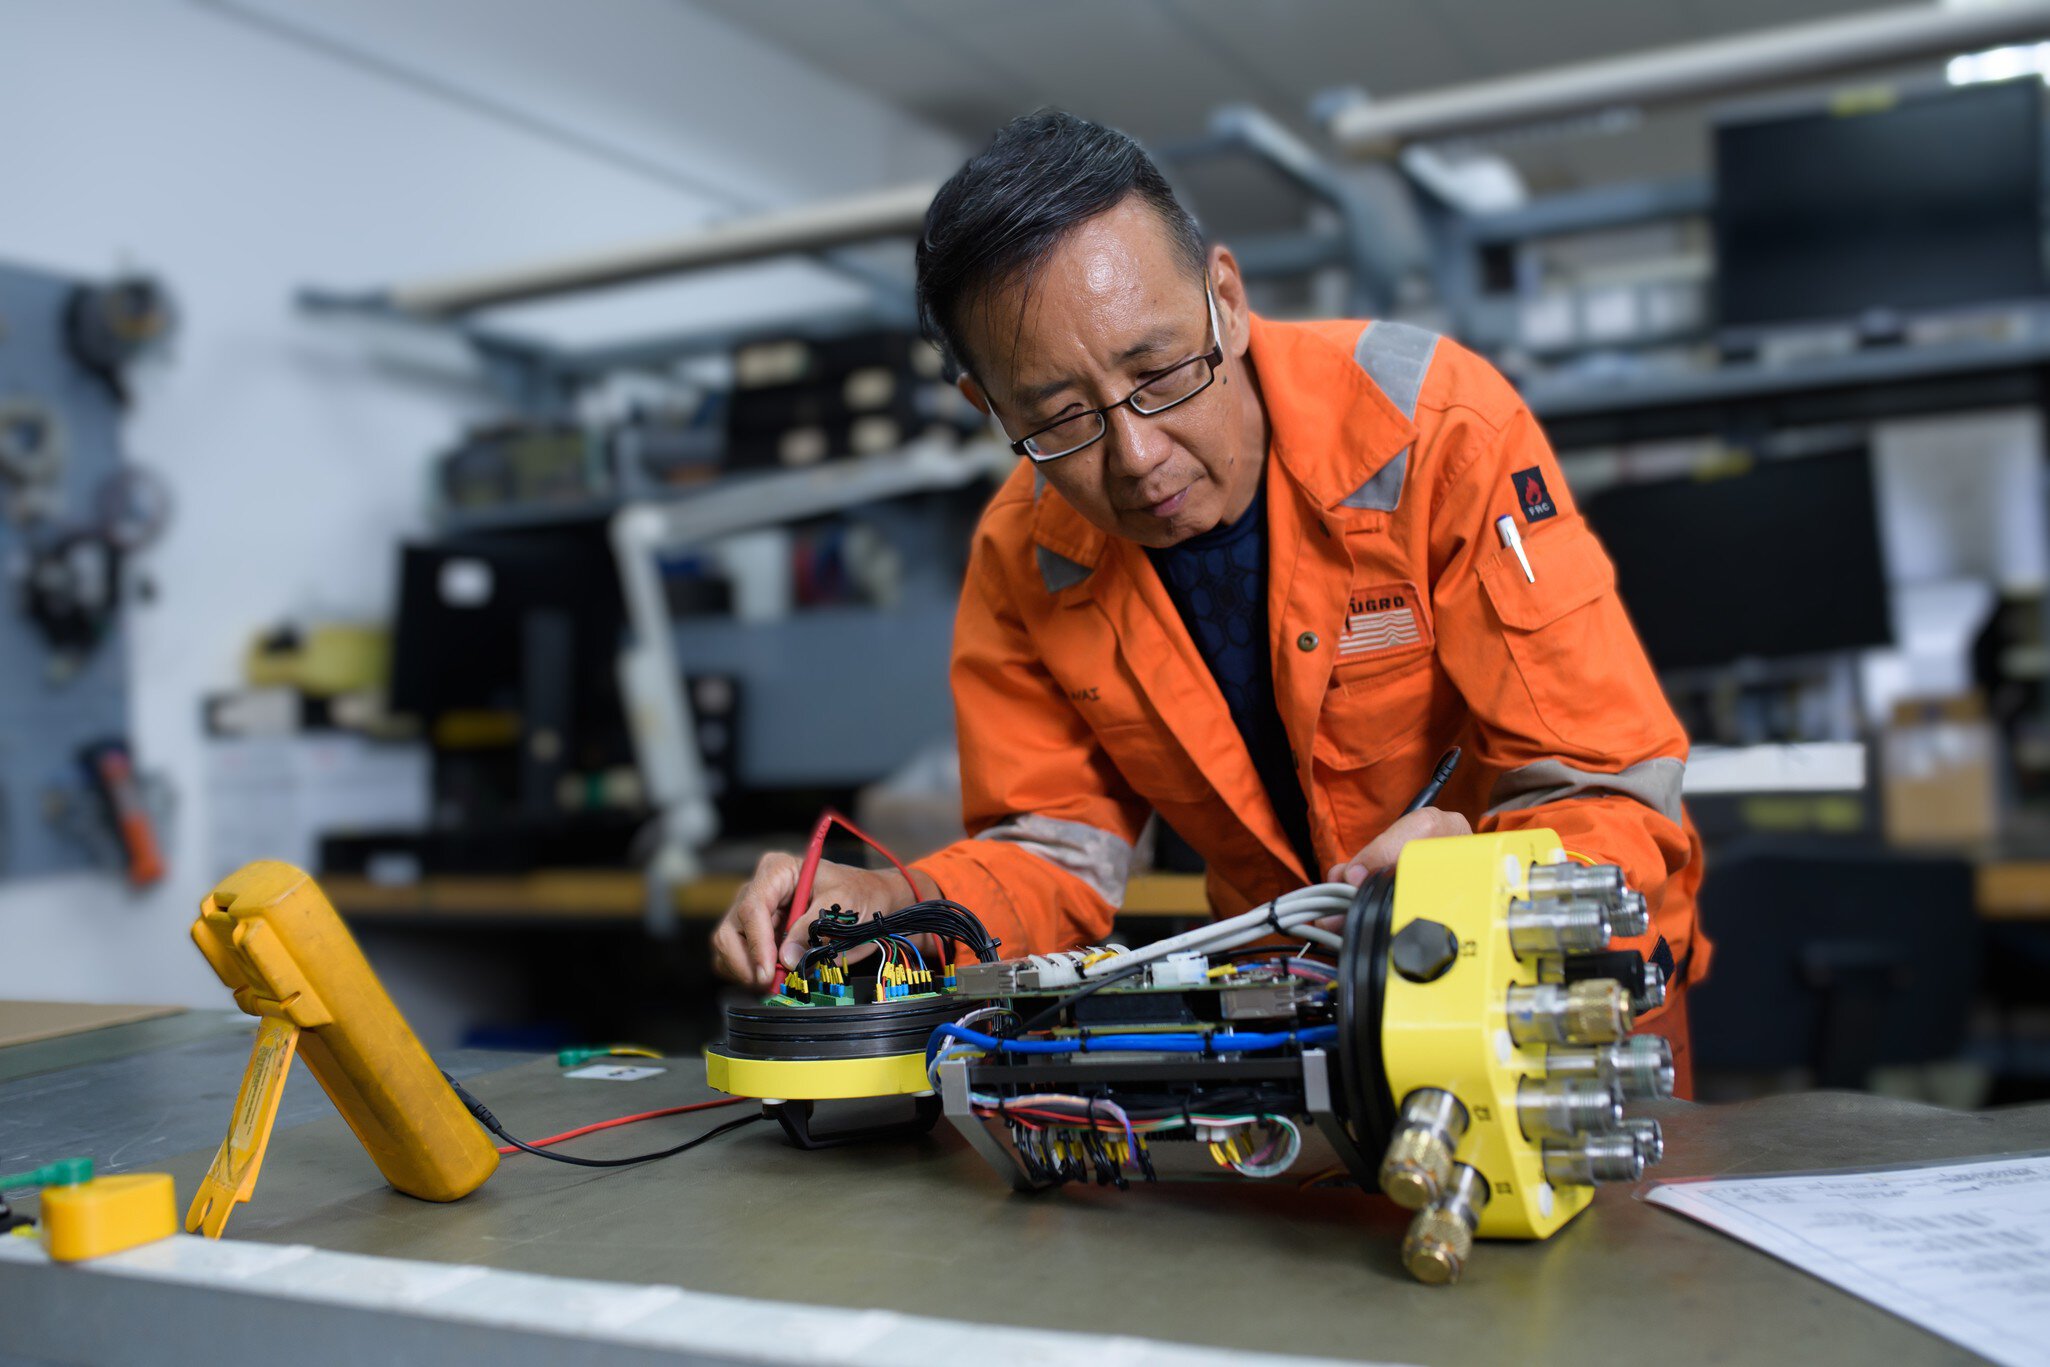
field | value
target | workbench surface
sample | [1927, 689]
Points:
[922, 1226]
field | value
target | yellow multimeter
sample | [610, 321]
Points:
[277, 943]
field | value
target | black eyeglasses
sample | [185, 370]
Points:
[1175, 385]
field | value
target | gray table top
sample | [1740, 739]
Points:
[923, 1226]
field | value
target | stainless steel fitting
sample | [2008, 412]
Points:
[1593, 1159]
[1603, 882]
[1558, 925]
[1641, 1066]
[1565, 1107]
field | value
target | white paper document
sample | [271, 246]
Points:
[1961, 1249]
[617, 1072]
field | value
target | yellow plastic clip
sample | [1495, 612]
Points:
[232, 1177]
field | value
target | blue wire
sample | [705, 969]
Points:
[908, 945]
[1224, 1042]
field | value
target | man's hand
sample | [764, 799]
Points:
[744, 947]
[1380, 852]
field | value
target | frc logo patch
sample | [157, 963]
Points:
[1532, 496]
[1377, 620]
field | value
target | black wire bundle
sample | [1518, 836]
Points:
[1087, 1152]
[490, 1122]
[1141, 1107]
[834, 932]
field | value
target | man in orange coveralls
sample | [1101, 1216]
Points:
[1248, 576]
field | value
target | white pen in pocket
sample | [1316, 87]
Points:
[1505, 525]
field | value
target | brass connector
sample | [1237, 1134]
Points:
[1416, 1168]
[1593, 1011]
[1440, 1238]
[1437, 1246]
[1597, 1011]
[1418, 1162]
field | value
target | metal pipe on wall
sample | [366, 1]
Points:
[1378, 128]
[819, 226]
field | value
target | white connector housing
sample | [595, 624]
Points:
[1181, 970]
[1055, 970]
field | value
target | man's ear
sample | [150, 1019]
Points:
[972, 391]
[1228, 287]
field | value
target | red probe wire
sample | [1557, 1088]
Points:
[800, 899]
[627, 1120]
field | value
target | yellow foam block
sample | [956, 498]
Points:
[107, 1215]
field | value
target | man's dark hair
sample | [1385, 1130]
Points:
[1002, 214]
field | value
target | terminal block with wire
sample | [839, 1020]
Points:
[851, 1020]
[1453, 1033]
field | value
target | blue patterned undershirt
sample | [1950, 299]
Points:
[1218, 581]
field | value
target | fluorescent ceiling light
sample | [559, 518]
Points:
[2000, 64]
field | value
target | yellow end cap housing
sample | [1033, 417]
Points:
[817, 1079]
[107, 1215]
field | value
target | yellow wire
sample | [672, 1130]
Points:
[1583, 858]
[1222, 970]
[632, 1051]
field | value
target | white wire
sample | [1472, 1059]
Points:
[1284, 913]
[1318, 935]
[1291, 1149]
[983, 1013]
[955, 1048]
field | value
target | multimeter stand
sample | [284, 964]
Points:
[231, 1179]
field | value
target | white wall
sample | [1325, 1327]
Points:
[244, 150]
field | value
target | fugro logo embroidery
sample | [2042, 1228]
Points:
[1532, 496]
[1377, 620]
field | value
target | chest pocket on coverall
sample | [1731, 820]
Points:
[1569, 637]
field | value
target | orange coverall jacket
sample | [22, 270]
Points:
[1399, 624]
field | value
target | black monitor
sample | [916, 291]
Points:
[507, 646]
[1781, 560]
[1933, 201]
[1838, 956]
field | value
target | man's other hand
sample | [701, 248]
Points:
[1380, 852]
